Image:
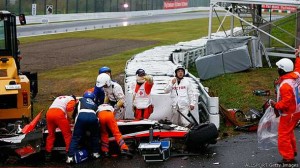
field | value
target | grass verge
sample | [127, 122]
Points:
[234, 90]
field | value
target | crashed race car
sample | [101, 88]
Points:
[138, 131]
[21, 142]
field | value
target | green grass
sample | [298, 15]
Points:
[79, 77]
[288, 24]
[234, 90]
[71, 72]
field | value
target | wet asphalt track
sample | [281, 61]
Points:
[233, 152]
[62, 27]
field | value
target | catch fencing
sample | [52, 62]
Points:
[44, 7]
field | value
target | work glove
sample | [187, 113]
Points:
[272, 104]
[120, 103]
[106, 100]
[148, 78]
[116, 108]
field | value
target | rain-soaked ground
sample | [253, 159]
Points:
[232, 152]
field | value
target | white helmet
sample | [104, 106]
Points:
[103, 79]
[178, 68]
[285, 64]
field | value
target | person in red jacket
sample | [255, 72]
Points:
[107, 121]
[58, 116]
[142, 103]
[288, 105]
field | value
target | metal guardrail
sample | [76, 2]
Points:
[187, 57]
[104, 15]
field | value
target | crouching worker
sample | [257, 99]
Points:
[114, 95]
[107, 121]
[142, 104]
[57, 117]
[86, 120]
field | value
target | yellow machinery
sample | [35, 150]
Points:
[16, 90]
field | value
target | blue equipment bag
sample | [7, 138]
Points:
[81, 155]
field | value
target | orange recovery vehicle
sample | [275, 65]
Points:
[17, 89]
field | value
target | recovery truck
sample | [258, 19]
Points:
[16, 88]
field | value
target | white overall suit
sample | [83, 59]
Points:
[182, 97]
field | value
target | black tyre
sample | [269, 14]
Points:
[201, 135]
[3, 158]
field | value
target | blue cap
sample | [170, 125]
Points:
[104, 70]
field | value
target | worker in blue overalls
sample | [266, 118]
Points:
[86, 120]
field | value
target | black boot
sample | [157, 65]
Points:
[126, 152]
[106, 155]
[48, 156]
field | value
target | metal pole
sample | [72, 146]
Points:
[110, 5]
[232, 19]
[270, 28]
[250, 24]
[152, 5]
[20, 9]
[103, 3]
[187, 61]
[221, 25]
[130, 4]
[118, 6]
[6, 4]
[76, 6]
[67, 8]
[45, 10]
[210, 20]
[297, 42]
[55, 6]
[86, 6]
